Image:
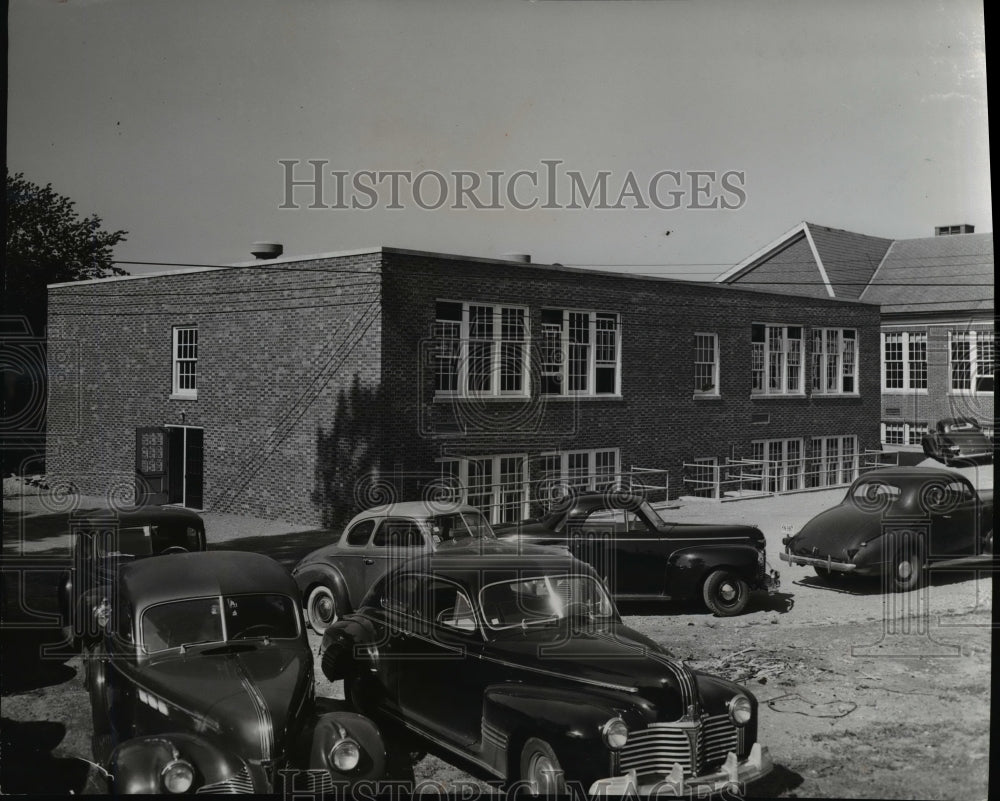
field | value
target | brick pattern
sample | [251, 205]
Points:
[313, 373]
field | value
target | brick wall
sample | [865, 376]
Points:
[282, 350]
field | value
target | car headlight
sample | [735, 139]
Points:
[615, 733]
[740, 710]
[177, 776]
[345, 755]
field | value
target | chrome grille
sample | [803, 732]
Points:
[698, 747]
[239, 783]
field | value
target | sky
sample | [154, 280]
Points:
[171, 119]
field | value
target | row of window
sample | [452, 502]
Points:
[971, 361]
[899, 433]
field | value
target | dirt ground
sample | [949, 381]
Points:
[861, 695]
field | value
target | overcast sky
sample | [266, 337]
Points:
[169, 119]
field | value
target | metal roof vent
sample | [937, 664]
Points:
[951, 230]
[267, 250]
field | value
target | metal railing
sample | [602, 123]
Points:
[875, 458]
[753, 478]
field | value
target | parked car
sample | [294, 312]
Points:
[956, 439]
[203, 682]
[103, 540]
[895, 522]
[513, 663]
[642, 556]
[333, 579]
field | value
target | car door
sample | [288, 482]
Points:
[441, 678]
[622, 546]
[953, 514]
[395, 540]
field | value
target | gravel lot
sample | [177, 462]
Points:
[862, 695]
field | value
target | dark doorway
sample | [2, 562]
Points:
[169, 466]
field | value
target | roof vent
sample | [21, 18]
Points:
[521, 257]
[949, 230]
[267, 250]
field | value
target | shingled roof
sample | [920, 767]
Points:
[939, 273]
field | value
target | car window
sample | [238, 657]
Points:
[131, 541]
[170, 625]
[399, 593]
[444, 603]
[398, 534]
[960, 490]
[459, 525]
[171, 535]
[872, 491]
[260, 615]
[543, 599]
[360, 533]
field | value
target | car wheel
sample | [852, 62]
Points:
[321, 608]
[725, 593]
[541, 771]
[97, 680]
[907, 565]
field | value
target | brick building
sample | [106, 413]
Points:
[306, 388]
[936, 300]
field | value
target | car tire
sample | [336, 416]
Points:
[908, 563]
[541, 771]
[725, 593]
[321, 608]
[96, 672]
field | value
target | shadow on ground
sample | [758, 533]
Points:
[29, 765]
[780, 602]
[33, 659]
[873, 585]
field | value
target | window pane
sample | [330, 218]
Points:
[893, 359]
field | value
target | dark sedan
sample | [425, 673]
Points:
[641, 555]
[102, 540]
[203, 682]
[956, 440]
[513, 663]
[895, 522]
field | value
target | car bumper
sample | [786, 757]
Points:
[828, 563]
[732, 772]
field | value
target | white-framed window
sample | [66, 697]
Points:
[706, 364]
[897, 432]
[776, 359]
[482, 350]
[904, 360]
[580, 352]
[783, 464]
[496, 485]
[185, 352]
[971, 361]
[596, 469]
[834, 361]
[831, 461]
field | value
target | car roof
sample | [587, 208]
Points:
[173, 577]
[417, 509]
[612, 500]
[912, 472]
[484, 561]
[138, 516]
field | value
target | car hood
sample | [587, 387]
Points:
[833, 532]
[247, 698]
[613, 657]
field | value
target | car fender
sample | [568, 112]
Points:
[333, 727]
[690, 566]
[571, 722]
[339, 658]
[137, 764]
[309, 575]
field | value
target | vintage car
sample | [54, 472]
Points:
[333, 579]
[642, 556]
[102, 540]
[203, 682]
[513, 663]
[895, 522]
[955, 440]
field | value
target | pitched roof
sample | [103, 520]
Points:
[938, 273]
[935, 273]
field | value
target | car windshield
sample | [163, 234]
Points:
[139, 541]
[458, 525]
[556, 517]
[543, 599]
[198, 620]
[961, 425]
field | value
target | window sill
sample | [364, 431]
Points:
[174, 396]
[903, 391]
[955, 393]
[581, 397]
[706, 397]
[832, 395]
[776, 396]
[441, 397]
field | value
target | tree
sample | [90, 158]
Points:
[48, 242]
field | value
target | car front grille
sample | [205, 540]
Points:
[238, 784]
[697, 747]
